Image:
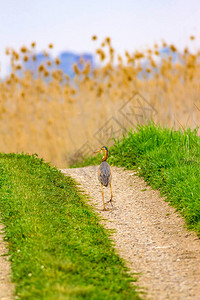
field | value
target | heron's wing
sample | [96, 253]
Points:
[104, 174]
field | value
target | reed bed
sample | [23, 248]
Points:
[55, 116]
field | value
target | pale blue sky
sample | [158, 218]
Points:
[70, 24]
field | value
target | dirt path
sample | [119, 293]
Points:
[150, 235]
[6, 287]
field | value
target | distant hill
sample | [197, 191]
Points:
[69, 58]
[164, 53]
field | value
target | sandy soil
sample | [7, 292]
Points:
[149, 235]
[6, 287]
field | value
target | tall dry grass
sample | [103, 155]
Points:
[54, 116]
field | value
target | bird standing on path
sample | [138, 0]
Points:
[104, 174]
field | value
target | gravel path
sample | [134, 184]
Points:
[150, 235]
[6, 287]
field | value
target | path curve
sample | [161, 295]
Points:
[150, 235]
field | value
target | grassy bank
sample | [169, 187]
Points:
[168, 160]
[57, 248]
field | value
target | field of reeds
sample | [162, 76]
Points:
[58, 117]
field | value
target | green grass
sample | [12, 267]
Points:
[58, 249]
[168, 160]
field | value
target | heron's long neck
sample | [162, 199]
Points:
[105, 155]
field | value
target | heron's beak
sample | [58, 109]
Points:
[97, 151]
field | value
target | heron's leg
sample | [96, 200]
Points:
[103, 197]
[111, 193]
